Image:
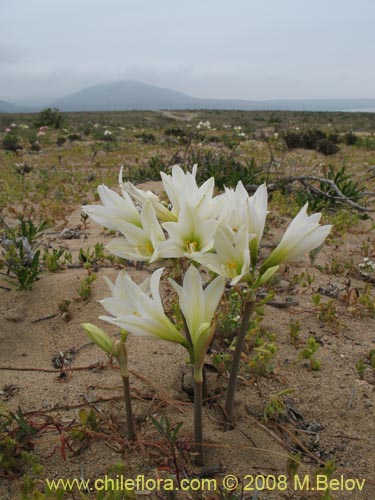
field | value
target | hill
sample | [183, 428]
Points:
[7, 107]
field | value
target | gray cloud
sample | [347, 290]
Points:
[240, 49]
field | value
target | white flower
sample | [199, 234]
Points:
[141, 196]
[198, 308]
[125, 295]
[182, 188]
[255, 217]
[238, 208]
[303, 235]
[140, 243]
[190, 235]
[232, 255]
[148, 318]
[114, 208]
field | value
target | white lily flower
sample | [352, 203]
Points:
[232, 255]
[255, 214]
[114, 208]
[148, 318]
[240, 208]
[141, 196]
[198, 307]
[192, 234]
[140, 243]
[182, 188]
[303, 235]
[125, 295]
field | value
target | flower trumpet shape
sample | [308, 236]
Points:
[141, 196]
[303, 235]
[192, 234]
[232, 255]
[182, 187]
[198, 307]
[240, 208]
[141, 314]
[114, 208]
[140, 243]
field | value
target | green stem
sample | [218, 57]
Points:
[249, 308]
[128, 409]
[198, 422]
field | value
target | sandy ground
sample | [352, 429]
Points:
[335, 409]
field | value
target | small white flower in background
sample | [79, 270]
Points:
[140, 243]
[107, 132]
[232, 255]
[114, 208]
[148, 319]
[204, 125]
[198, 307]
[303, 235]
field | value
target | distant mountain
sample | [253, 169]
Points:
[133, 95]
[124, 95]
[7, 107]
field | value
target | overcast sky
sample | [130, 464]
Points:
[246, 49]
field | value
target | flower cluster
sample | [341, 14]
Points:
[221, 232]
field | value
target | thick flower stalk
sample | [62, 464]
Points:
[118, 350]
[198, 307]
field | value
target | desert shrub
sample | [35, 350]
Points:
[100, 134]
[74, 137]
[328, 196]
[35, 146]
[327, 147]
[50, 117]
[146, 138]
[227, 169]
[366, 142]
[292, 140]
[60, 141]
[314, 139]
[11, 141]
[175, 131]
[151, 171]
[350, 139]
